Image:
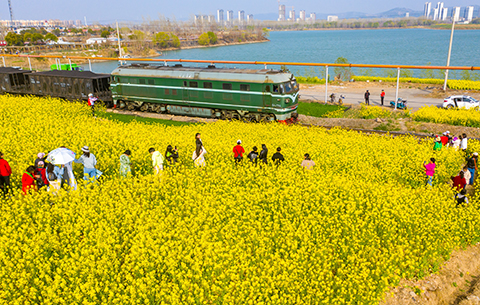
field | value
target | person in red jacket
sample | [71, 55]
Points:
[28, 180]
[444, 138]
[382, 96]
[42, 173]
[5, 172]
[238, 152]
[459, 181]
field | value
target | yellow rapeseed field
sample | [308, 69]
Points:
[454, 116]
[339, 234]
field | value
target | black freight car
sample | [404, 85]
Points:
[71, 85]
[13, 80]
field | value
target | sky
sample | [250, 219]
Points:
[108, 11]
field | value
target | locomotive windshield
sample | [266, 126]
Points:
[290, 86]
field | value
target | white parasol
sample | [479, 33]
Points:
[61, 156]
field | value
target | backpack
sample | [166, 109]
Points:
[51, 177]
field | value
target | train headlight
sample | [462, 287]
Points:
[287, 100]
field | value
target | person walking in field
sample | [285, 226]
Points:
[456, 142]
[307, 162]
[466, 174]
[472, 166]
[89, 163]
[40, 157]
[125, 164]
[438, 144]
[464, 143]
[444, 139]
[263, 154]
[461, 198]
[171, 155]
[253, 155]
[29, 182]
[367, 97]
[238, 152]
[198, 157]
[91, 102]
[382, 96]
[5, 173]
[277, 157]
[459, 181]
[429, 171]
[198, 141]
[54, 177]
[157, 160]
[42, 173]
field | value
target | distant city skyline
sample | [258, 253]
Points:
[123, 10]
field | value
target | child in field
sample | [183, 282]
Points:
[157, 160]
[461, 198]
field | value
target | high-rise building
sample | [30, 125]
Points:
[440, 8]
[281, 12]
[249, 18]
[313, 17]
[229, 16]
[220, 16]
[427, 9]
[291, 15]
[435, 14]
[241, 16]
[332, 18]
[469, 13]
[211, 18]
[302, 16]
[456, 13]
[444, 13]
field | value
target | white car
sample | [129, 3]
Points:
[460, 101]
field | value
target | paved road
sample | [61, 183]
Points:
[415, 97]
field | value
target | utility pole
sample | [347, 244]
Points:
[449, 54]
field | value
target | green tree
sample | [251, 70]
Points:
[343, 73]
[204, 40]
[105, 34]
[14, 39]
[265, 32]
[56, 32]
[52, 37]
[212, 37]
[37, 37]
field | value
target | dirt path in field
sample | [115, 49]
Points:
[457, 283]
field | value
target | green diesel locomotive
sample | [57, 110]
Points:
[226, 93]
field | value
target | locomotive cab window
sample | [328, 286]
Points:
[194, 84]
[276, 89]
[227, 86]
[207, 85]
[244, 87]
[267, 89]
[185, 83]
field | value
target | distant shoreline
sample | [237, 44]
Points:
[457, 27]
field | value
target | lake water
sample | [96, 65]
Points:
[395, 46]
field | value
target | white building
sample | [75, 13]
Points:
[440, 8]
[332, 18]
[302, 16]
[435, 14]
[250, 18]
[281, 12]
[241, 16]
[96, 40]
[229, 16]
[444, 13]
[469, 13]
[220, 16]
[211, 18]
[427, 9]
[456, 13]
[291, 16]
[313, 17]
